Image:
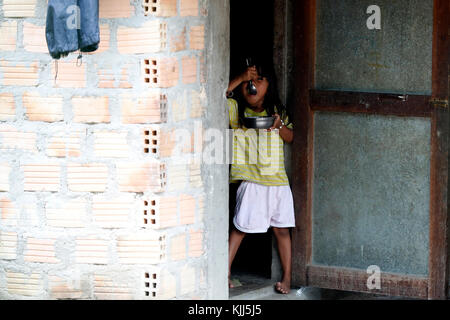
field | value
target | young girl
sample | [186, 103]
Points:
[262, 201]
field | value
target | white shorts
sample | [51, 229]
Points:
[259, 207]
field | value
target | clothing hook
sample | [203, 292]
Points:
[56, 70]
[79, 59]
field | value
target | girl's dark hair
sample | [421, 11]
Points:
[271, 99]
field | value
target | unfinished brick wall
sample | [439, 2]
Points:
[93, 204]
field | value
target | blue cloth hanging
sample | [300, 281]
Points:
[72, 25]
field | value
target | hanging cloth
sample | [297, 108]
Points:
[89, 33]
[72, 25]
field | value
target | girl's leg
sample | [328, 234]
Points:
[236, 237]
[284, 248]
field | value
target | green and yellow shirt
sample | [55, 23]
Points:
[258, 155]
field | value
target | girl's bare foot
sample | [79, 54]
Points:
[230, 284]
[283, 287]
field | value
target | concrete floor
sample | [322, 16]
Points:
[250, 287]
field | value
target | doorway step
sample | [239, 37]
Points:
[251, 287]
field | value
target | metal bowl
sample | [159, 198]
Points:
[258, 122]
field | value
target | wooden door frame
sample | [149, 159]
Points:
[307, 101]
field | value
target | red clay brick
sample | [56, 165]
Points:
[173, 142]
[7, 107]
[150, 37]
[151, 138]
[115, 9]
[161, 8]
[178, 41]
[91, 109]
[91, 177]
[12, 139]
[195, 243]
[8, 245]
[9, 214]
[34, 38]
[188, 8]
[187, 280]
[40, 250]
[160, 284]
[178, 175]
[167, 286]
[203, 70]
[180, 107]
[178, 247]
[91, 250]
[19, 73]
[5, 170]
[141, 248]
[147, 108]
[152, 283]
[108, 78]
[111, 144]
[24, 284]
[19, 8]
[69, 74]
[160, 73]
[189, 65]
[113, 212]
[66, 214]
[187, 209]
[167, 144]
[43, 108]
[198, 104]
[195, 178]
[41, 176]
[109, 286]
[163, 103]
[160, 212]
[63, 144]
[141, 176]
[8, 35]
[62, 288]
[201, 207]
[197, 37]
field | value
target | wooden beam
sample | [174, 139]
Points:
[349, 279]
[304, 53]
[440, 50]
[438, 260]
[372, 103]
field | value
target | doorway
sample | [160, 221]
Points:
[356, 209]
[251, 34]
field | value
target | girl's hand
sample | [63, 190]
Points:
[249, 74]
[285, 133]
[276, 123]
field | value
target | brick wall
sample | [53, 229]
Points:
[93, 204]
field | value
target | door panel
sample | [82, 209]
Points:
[370, 150]
[395, 58]
[371, 192]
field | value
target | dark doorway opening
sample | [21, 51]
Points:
[251, 34]
[251, 31]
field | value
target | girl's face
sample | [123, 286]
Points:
[261, 85]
